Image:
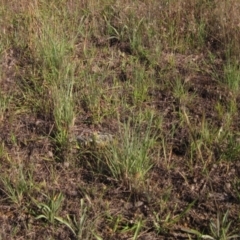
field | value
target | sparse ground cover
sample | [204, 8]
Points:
[120, 119]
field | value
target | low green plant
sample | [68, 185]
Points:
[82, 224]
[140, 86]
[113, 32]
[18, 187]
[129, 158]
[135, 38]
[180, 91]
[231, 150]
[195, 143]
[127, 32]
[63, 110]
[219, 229]
[91, 98]
[120, 224]
[165, 219]
[232, 75]
[2, 150]
[4, 102]
[49, 210]
[54, 48]
[137, 229]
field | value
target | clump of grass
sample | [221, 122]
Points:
[164, 221]
[92, 98]
[53, 49]
[129, 158]
[83, 224]
[63, 112]
[17, 187]
[49, 210]
[232, 75]
[119, 224]
[4, 102]
[219, 229]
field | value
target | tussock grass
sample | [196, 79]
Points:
[129, 160]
